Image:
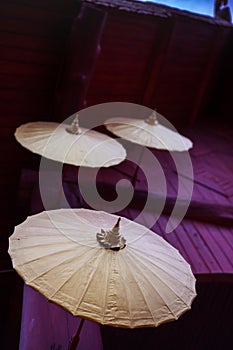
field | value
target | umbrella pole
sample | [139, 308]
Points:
[134, 177]
[76, 337]
[80, 197]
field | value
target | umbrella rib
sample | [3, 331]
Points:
[61, 230]
[39, 245]
[164, 250]
[88, 283]
[126, 289]
[54, 293]
[165, 282]
[149, 282]
[138, 284]
[123, 126]
[43, 256]
[162, 260]
[159, 267]
[55, 253]
[108, 285]
[153, 234]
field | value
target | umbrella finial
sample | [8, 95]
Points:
[111, 239]
[116, 227]
[152, 120]
[74, 127]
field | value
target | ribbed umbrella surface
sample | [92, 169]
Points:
[87, 148]
[144, 284]
[149, 133]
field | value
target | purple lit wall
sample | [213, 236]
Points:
[204, 7]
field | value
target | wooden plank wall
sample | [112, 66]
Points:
[220, 104]
[32, 37]
[127, 45]
[170, 61]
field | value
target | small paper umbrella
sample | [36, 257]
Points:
[70, 144]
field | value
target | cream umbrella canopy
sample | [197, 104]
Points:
[117, 274]
[148, 132]
[70, 144]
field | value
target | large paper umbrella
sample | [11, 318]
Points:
[81, 260]
[148, 132]
[70, 144]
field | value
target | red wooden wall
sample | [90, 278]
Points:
[168, 60]
[32, 37]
